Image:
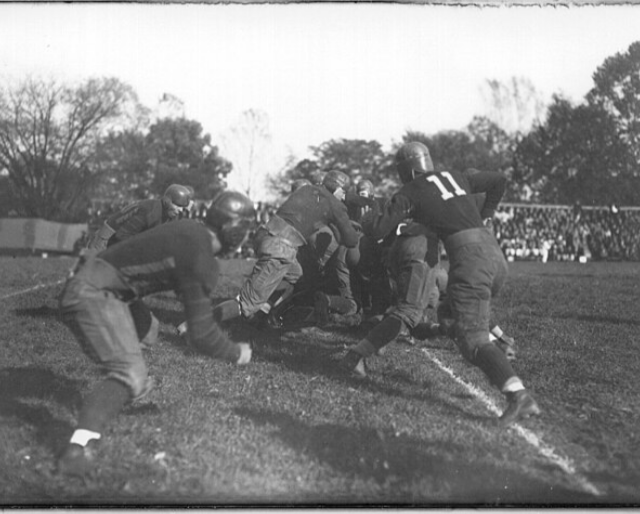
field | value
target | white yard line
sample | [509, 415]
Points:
[34, 288]
[543, 448]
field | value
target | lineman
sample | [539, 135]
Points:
[303, 213]
[443, 202]
[177, 256]
[142, 215]
[134, 219]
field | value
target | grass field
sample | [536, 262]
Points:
[290, 430]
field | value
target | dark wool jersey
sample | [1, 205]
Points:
[136, 218]
[357, 205]
[180, 257]
[310, 208]
[444, 202]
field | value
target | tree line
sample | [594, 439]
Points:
[63, 145]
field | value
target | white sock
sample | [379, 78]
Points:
[497, 331]
[82, 436]
[513, 385]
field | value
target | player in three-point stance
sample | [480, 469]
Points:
[178, 256]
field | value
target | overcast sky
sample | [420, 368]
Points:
[320, 71]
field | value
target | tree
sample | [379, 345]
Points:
[577, 156]
[180, 153]
[590, 152]
[48, 137]
[249, 145]
[617, 91]
[173, 150]
[514, 106]
[357, 158]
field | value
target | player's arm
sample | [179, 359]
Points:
[100, 239]
[129, 222]
[392, 214]
[204, 333]
[491, 183]
[353, 199]
[349, 236]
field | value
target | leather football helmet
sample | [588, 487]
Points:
[334, 180]
[176, 199]
[231, 215]
[413, 159]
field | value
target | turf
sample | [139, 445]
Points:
[291, 430]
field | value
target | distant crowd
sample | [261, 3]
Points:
[562, 233]
[525, 232]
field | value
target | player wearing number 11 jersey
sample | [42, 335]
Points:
[443, 202]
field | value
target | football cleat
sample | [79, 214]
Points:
[405, 337]
[76, 460]
[521, 405]
[353, 363]
[321, 308]
[149, 385]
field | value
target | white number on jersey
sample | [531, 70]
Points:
[446, 194]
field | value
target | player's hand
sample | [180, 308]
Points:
[488, 222]
[182, 328]
[245, 353]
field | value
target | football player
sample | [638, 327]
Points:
[143, 215]
[134, 219]
[443, 202]
[179, 256]
[277, 269]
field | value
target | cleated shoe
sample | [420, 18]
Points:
[508, 346]
[76, 461]
[321, 308]
[521, 405]
[425, 331]
[149, 385]
[405, 337]
[353, 363]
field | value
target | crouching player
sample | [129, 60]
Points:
[179, 256]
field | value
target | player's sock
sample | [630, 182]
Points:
[513, 385]
[490, 359]
[384, 332]
[82, 436]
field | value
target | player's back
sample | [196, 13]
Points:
[135, 218]
[160, 258]
[443, 202]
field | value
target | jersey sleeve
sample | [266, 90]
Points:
[493, 184]
[394, 211]
[349, 236]
[203, 332]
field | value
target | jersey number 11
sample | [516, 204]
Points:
[446, 194]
